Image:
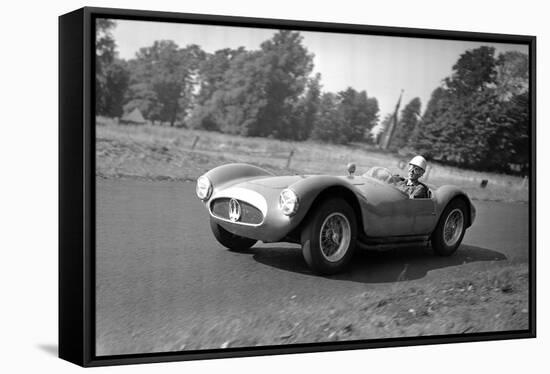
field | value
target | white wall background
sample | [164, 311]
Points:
[28, 205]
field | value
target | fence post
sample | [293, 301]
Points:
[524, 182]
[289, 159]
[195, 142]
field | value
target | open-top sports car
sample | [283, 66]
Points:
[330, 215]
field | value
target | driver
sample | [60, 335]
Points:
[411, 185]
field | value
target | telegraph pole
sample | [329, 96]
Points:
[393, 124]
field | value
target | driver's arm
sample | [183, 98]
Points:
[396, 178]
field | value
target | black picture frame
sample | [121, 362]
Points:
[77, 188]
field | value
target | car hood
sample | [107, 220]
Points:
[282, 182]
[274, 182]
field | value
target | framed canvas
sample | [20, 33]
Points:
[238, 186]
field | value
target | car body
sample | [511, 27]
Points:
[245, 202]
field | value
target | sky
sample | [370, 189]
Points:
[380, 65]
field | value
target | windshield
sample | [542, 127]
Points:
[380, 173]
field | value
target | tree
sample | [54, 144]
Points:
[327, 126]
[212, 70]
[455, 130]
[426, 136]
[105, 44]
[509, 144]
[474, 70]
[259, 92]
[114, 88]
[306, 111]
[212, 81]
[408, 121]
[162, 80]
[288, 65]
[469, 124]
[479, 119]
[358, 114]
[345, 117]
[349, 107]
[462, 114]
[111, 74]
[512, 74]
[234, 106]
[517, 113]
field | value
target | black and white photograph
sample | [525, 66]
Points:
[264, 187]
[276, 187]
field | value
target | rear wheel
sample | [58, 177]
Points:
[229, 240]
[451, 228]
[328, 238]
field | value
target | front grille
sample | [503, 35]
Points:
[249, 213]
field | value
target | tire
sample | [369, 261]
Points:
[229, 240]
[335, 221]
[452, 221]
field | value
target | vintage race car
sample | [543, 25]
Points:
[330, 215]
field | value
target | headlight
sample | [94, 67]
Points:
[204, 188]
[288, 202]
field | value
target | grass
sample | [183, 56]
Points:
[480, 297]
[479, 301]
[155, 152]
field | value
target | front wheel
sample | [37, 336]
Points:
[329, 236]
[451, 228]
[229, 240]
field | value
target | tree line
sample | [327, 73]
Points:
[477, 118]
[269, 92]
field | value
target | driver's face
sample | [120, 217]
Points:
[415, 172]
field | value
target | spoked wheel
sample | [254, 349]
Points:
[450, 229]
[229, 240]
[328, 239]
[335, 237]
[453, 228]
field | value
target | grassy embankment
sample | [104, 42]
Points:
[477, 301]
[154, 152]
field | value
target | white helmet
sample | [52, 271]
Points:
[418, 161]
